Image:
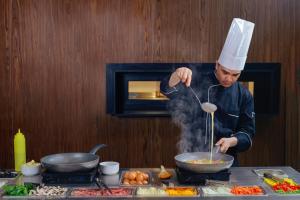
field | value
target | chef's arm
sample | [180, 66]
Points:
[171, 84]
[246, 125]
[168, 91]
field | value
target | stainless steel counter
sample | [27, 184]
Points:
[239, 175]
[246, 176]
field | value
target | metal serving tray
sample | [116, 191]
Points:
[136, 185]
[233, 195]
[204, 193]
[275, 172]
[36, 196]
[198, 193]
[131, 193]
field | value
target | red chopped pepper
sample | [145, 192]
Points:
[286, 187]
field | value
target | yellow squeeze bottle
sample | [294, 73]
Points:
[19, 150]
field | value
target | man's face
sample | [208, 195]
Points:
[226, 77]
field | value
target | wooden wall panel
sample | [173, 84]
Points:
[53, 56]
[5, 85]
[288, 56]
[296, 148]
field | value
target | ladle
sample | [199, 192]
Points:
[206, 106]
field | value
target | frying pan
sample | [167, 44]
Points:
[181, 161]
[71, 162]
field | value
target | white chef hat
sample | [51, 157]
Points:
[235, 49]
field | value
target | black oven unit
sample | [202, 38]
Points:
[119, 101]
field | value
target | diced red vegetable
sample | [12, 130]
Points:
[247, 190]
[286, 187]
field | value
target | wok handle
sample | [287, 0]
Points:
[216, 149]
[97, 147]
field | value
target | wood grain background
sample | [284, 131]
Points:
[52, 72]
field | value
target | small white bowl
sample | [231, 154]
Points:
[109, 167]
[30, 170]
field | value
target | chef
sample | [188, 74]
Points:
[234, 121]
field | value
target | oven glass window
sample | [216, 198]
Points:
[249, 85]
[145, 90]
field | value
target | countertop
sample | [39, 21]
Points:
[239, 175]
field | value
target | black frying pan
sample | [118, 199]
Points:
[71, 162]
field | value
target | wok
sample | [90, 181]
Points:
[71, 162]
[181, 161]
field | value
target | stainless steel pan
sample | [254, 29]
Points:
[181, 161]
[71, 162]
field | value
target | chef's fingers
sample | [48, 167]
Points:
[221, 141]
[179, 73]
[224, 147]
[189, 79]
[184, 76]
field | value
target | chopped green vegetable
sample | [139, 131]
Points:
[17, 190]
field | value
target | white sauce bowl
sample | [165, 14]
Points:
[30, 170]
[109, 167]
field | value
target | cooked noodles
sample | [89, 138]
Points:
[205, 161]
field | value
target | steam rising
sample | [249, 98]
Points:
[188, 115]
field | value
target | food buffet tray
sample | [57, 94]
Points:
[165, 189]
[287, 184]
[33, 196]
[198, 192]
[228, 188]
[136, 185]
[217, 191]
[274, 172]
[264, 193]
[116, 190]
[273, 192]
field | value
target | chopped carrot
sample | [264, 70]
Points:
[247, 190]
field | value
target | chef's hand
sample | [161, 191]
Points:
[225, 143]
[182, 74]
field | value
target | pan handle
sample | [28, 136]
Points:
[216, 149]
[97, 147]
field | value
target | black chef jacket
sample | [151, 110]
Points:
[234, 116]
